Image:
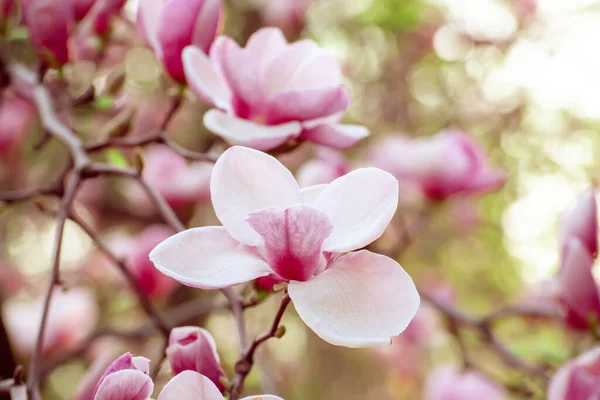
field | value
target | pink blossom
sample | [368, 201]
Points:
[49, 23]
[17, 118]
[127, 379]
[575, 286]
[271, 91]
[449, 163]
[271, 226]
[578, 379]
[197, 24]
[153, 283]
[81, 8]
[580, 221]
[73, 315]
[194, 349]
[102, 13]
[447, 384]
[327, 166]
[6, 7]
[286, 14]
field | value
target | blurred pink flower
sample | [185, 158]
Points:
[271, 226]
[17, 118]
[449, 163]
[289, 15]
[194, 349]
[580, 221]
[152, 282]
[578, 379]
[327, 166]
[271, 91]
[102, 13]
[447, 384]
[127, 379]
[87, 386]
[6, 6]
[81, 8]
[197, 24]
[72, 317]
[49, 23]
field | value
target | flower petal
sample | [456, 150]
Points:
[204, 80]
[246, 180]
[128, 384]
[303, 105]
[244, 132]
[361, 204]
[263, 397]
[148, 20]
[264, 45]
[292, 239]
[207, 258]
[362, 299]
[310, 194]
[337, 136]
[190, 385]
[207, 24]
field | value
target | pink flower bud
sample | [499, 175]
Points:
[81, 8]
[580, 221]
[447, 384]
[17, 117]
[327, 166]
[125, 379]
[49, 23]
[575, 288]
[151, 281]
[102, 14]
[170, 26]
[194, 349]
[449, 163]
[578, 379]
[73, 315]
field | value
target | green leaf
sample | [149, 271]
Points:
[115, 157]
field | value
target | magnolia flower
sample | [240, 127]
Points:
[450, 163]
[448, 384]
[580, 221]
[16, 119]
[197, 24]
[286, 14]
[271, 91]
[194, 349]
[81, 8]
[49, 23]
[327, 166]
[127, 379]
[72, 317]
[100, 16]
[578, 379]
[271, 226]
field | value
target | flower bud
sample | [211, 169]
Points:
[126, 378]
[170, 26]
[578, 379]
[194, 349]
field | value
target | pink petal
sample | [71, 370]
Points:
[262, 397]
[207, 24]
[207, 258]
[310, 194]
[337, 136]
[292, 239]
[246, 180]
[190, 385]
[204, 80]
[362, 299]
[147, 20]
[264, 45]
[128, 384]
[307, 104]
[248, 133]
[361, 204]
[581, 221]
[319, 71]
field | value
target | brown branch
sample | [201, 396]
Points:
[246, 361]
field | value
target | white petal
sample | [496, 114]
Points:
[361, 300]
[310, 194]
[361, 204]
[248, 133]
[207, 258]
[244, 181]
[204, 80]
[190, 385]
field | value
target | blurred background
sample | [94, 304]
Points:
[521, 76]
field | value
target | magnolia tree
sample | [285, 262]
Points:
[225, 193]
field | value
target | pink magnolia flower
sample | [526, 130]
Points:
[271, 226]
[271, 91]
[578, 379]
[197, 24]
[327, 166]
[72, 317]
[194, 349]
[153, 283]
[17, 117]
[49, 23]
[127, 379]
[575, 286]
[447, 384]
[81, 8]
[286, 14]
[580, 221]
[102, 13]
[449, 163]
